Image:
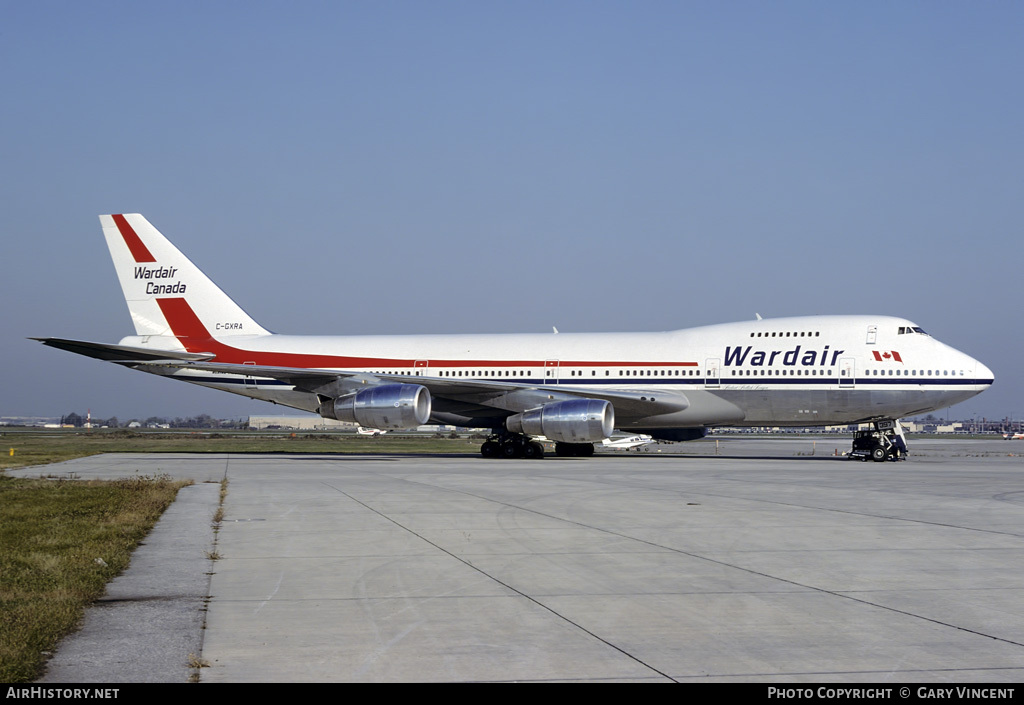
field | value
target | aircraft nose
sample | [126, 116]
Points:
[982, 373]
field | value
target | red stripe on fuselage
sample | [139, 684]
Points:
[187, 328]
[138, 249]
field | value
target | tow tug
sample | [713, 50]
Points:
[885, 440]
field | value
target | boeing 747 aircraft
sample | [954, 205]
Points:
[574, 389]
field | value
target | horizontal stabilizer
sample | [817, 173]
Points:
[119, 353]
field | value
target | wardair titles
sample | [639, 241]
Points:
[160, 273]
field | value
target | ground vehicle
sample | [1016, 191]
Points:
[884, 441]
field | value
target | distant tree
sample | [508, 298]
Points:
[73, 419]
[205, 421]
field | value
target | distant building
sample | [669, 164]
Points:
[299, 423]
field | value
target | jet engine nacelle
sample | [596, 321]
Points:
[573, 421]
[388, 406]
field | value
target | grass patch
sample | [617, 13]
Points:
[38, 447]
[63, 541]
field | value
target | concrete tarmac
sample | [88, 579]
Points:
[747, 560]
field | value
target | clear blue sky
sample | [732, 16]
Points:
[389, 167]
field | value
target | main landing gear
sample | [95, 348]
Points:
[511, 445]
[518, 445]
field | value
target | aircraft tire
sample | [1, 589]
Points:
[489, 449]
[878, 454]
[511, 450]
[533, 451]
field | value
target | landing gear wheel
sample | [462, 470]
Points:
[511, 445]
[879, 454]
[533, 451]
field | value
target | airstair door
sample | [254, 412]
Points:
[847, 372]
[712, 373]
[551, 372]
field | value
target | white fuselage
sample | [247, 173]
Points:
[811, 370]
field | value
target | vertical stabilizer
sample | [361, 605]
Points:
[151, 269]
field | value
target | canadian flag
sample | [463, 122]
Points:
[887, 356]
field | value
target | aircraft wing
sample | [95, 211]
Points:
[490, 394]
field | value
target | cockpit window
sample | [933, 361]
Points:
[911, 329]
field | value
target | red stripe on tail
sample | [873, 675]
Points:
[139, 251]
